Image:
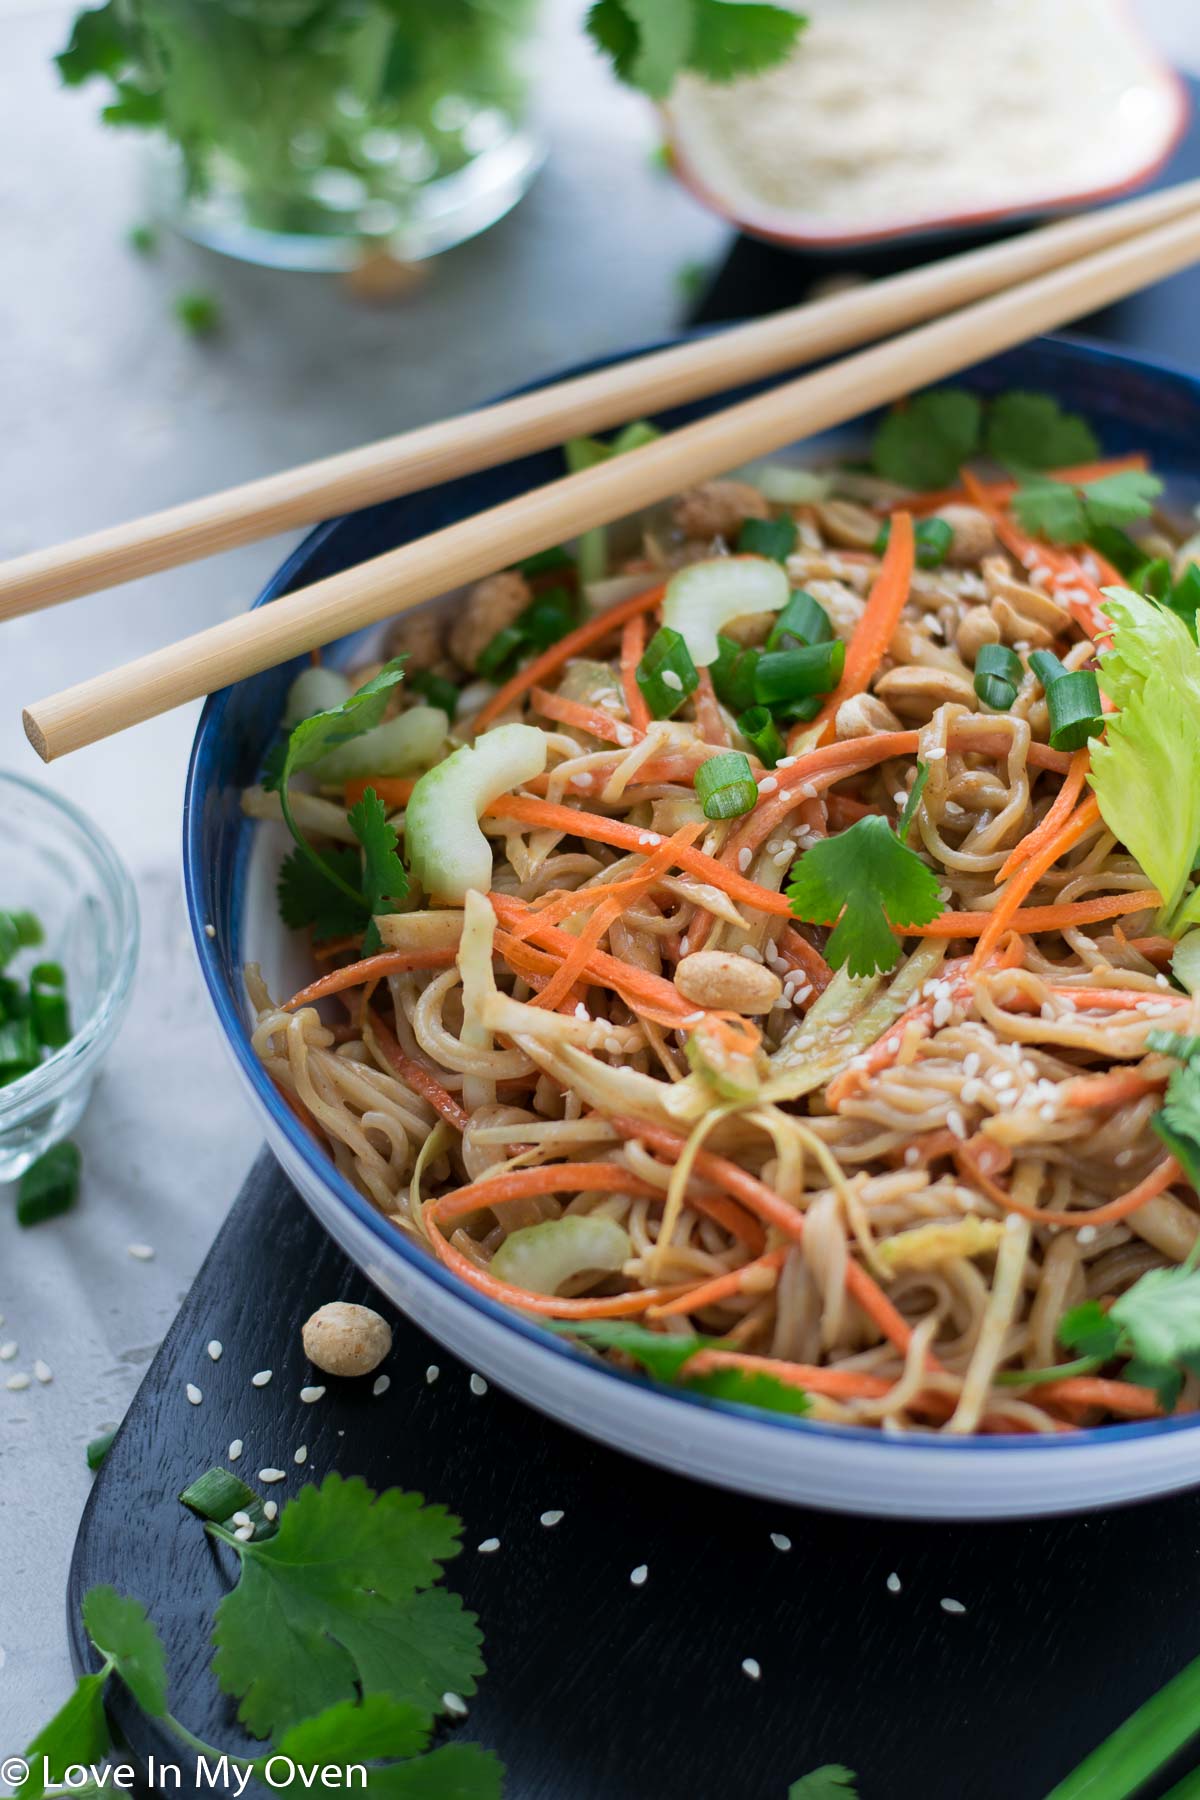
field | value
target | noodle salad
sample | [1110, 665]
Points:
[759, 940]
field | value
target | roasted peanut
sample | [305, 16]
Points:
[720, 981]
[976, 628]
[916, 693]
[718, 509]
[344, 1339]
[851, 526]
[419, 637]
[974, 537]
[863, 715]
[491, 605]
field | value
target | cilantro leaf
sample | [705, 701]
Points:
[78, 1733]
[1033, 430]
[100, 45]
[1160, 1315]
[322, 732]
[384, 877]
[664, 1355]
[124, 1634]
[343, 1572]
[871, 884]
[832, 1782]
[613, 31]
[452, 1772]
[664, 38]
[925, 442]
[1178, 1121]
[732, 38]
[1121, 498]
[308, 898]
[1088, 1329]
[1151, 673]
[361, 1731]
[1069, 514]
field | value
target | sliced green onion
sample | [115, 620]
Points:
[1075, 711]
[48, 1005]
[1046, 667]
[543, 561]
[585, 453]
[775, 538]
[437, 690]
[19, 1049]
[802, 621]
[998, 675]
[50, 1186]
[1153, 579]
[725, 785]
[99, 1448]
[733, 675]
[933, 538]
[800, 711]
[14, 1001]
[218, 1494]
[499, 651]
[666, 674]
[548, 617]
[759, 728]
[18, 931]
[784, 675]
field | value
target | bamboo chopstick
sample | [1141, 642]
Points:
[400, 579]
[514, 428]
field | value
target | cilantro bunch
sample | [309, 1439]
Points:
[652, 42]
[337, 1643]
[338, 892]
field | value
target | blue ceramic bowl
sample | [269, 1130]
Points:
[229, 869]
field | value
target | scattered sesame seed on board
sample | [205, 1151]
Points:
[780, 1541]
[637, 1577]
[893, 1583]
[455, 1705]
[549, 1519]
[752, 1667]
[43, 1371]
[301, 1454]
[270, 1475]
[235, 1449]
[478, 1385]
[8, 1351]
[16, 1384]
[952, 1606]
[381, 1385]
[489, 1546]
[431, 1374]
[193, 1393]
[270, 1511]
[262, 1378]
[141, 1252]
[215, 1347]
[310, 1395]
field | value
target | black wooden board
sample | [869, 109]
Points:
[598, 1690]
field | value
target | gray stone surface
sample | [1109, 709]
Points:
[106, 410]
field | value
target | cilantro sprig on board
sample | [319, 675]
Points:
[652, 42]
[337, 1643]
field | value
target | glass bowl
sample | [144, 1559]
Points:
[58, 866]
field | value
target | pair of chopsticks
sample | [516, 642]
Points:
[976, 305]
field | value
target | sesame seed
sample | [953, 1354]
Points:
[193, 1393]
[270, 1475]
[17, 1383]
[624, 736]
[382, 1384]
[582, 780]
[901, 798]
[752, 1667]
[954, 1123]
[244, 1533]
[550, 1519]
[43, 1371]
[1001, 1079]
[952, 1606]
[695, 1018]
[937, 754]
[780, 1541]
[684, 946]
[214, 1349]
[768, 786]
[1158, 1009]
[478, 1385]
[489, 1546]
[300, 1455]
[1086, 1234]
[8, 1351]
[893, 1046]
[787, 762]
[235, 1449]
[970, 1091]
[1047, 1113]
[1161, 981]
[262, 1378]
[270, 1511]
[637, 1577]
[672, 680]
[431, 1374]
[954, 810]
[745, 857]
[241, 1518]
[893, 1583]
[912, 1156]
[455, 1705]
[141, 1252]
[310, 1395]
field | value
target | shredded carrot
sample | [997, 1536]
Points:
[795, 950]
[721, 1287]
[1116, 999]
[1094, 1390]
[1156, 1182]
[1083, 820]
[1041, 918]
[1059, 813]
[1068, 578]
[590, 719]
[417, 1077]
[546, 1178]
[549, 1306]
[371, 968]
[633, 645]
[1114, 1088]
[647, 994]
[762, 1200]
[393, 790]
[999, 493]
[875, 630]
[582, 638]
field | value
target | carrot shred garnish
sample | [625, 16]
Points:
[1060, 811]
[721, 1287]
[546, 1178]
[371, 968]
[1156, 1182]
[875, 630]
[999, 493]
[1030, 872]
[591, 719]
[633, 644]
[582, 638]
[1114, 1088]
[1113, 1396]
[417, 1077]
[393, 790]
[646, 993]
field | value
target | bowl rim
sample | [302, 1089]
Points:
[805, 231]
[425, 1266]
[99, 1026]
